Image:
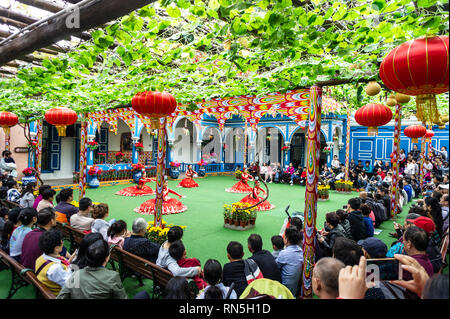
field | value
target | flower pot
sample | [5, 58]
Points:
[94, 182]
[201, 172]
[226, 221]
[236, 222]
[174, 173]
[252, 221]
[136, 176]
[243, 223]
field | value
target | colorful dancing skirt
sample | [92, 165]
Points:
[170, 206]
[135, 191]
[265, 205]
[240, 187]
[187, 183]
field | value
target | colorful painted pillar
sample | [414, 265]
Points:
[312, 179]
[422, 161]
[245, 144]
[347, 145]
[7, 131]
[395, 166]
[83, 158]
[38, 151]
[91, 130]
[160, 171]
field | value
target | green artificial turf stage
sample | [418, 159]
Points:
[205, 237]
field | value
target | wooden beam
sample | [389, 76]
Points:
[11, 22]
[43, 5]
[16, 16]
[57, 29]
[5, 34]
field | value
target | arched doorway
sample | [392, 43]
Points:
[184, 144]
[234, 149]
[299, 145]
[269, 143]
[211, 150]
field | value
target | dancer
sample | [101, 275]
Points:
[242, 186]
[188, 181]
[170, 205]
[141, 189]
[253, 198]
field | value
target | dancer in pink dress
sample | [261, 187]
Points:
[254, 199]
[170, 205]
[189, 182]
[140, 190]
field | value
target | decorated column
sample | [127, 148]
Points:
[7, 120]
[38, 150]
[422, 161]
[83, 159]
[312, 166]
[160, 171]
[395, 166]
[245, 144]
[347, 145]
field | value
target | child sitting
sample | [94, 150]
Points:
[178, 252]
[277, 245]
[368, 222]
[117, 233]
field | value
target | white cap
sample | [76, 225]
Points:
[444, 186]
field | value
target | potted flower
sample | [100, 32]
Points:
[338, 184]
[29, 176]
[136, 170]
[227, 214]
[323, 191]
[202, 170]
[327, 150]
[139, 147]
[75, 177]
[174, 172]
[253, 214]
[119, 157]
[159, 234]
[93, 145]
[94, 171]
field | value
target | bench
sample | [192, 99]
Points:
[129, 264]
[22, 277]
[8, 204]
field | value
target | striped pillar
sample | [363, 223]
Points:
[38, 151]
[347, 146]
[312, 179]
[160, 171]
[83, 159]
[422, 161]
[245, 143]
[395, 166]
[7, 131]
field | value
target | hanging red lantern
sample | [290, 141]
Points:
[154, 105]
[372, 116]
[420, 68]
[7, 120]
[429, 134]
[61, 117]
[415, 132]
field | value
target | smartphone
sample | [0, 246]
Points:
[384, 269]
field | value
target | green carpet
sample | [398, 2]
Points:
[205, 237]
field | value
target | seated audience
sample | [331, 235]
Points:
[327, 238]
[356, 219]
[39, 197]
[13, 194]
[325, 278]
[139, 245]
[117, 233]
[290, 260]
[27, 197]
[177, 288]
[100, 225]
[212, 272]
[80, 259]
[82, 220]
[27, 218]
[277, 245]
[263, 258]
[47, 199]
[178, 252]
[64, 206]
[368, 222]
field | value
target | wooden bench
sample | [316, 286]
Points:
[22, 277]
[8, 204]
[129, 264]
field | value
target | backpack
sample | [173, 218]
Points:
[379, 211]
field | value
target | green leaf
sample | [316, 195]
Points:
[214, 4]
[173, 11]
[378, 4]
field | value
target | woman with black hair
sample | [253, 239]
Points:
[27, 217]
[434, 211]
[27, 197]
[177, 288]
[80, 260]
[212, 273]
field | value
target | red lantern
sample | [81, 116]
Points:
[429, 134]
[154, 105]
[61, 117]
[415, 132]
[420, 68]
[7, 120]
[372, 116]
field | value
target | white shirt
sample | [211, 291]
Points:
[428, 166]
[335, 163]
[56, 272]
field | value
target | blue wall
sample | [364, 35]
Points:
[370, 148]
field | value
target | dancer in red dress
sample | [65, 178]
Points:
[253, 198]
[189, 182]
[242, 186]
[170, 205]
[141, 189]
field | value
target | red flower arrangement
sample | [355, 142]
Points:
[29, 171]
[202, 163]
[139, 145]
[285, 148]
[120, 154]
[92, 145]
[94, 170]
[137, 167]
[33, 144]
[175, 164]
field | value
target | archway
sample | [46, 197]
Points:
[234, 149]
[211, 148]
[184, 148]
[298, 148]
[268, 145]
